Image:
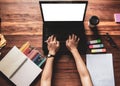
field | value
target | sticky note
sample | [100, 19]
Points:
[117, 17]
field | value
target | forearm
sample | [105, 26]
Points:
[47, 72]
[82, 69]
[53, 46]
[79, 62]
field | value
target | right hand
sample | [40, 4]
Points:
[72, 42]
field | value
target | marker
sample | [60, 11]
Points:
[98, 50]
[95, 41]
[96, 46]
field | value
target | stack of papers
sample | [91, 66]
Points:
[100, 67]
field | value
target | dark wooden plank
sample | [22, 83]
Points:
[26, 16]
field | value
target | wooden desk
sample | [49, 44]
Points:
[22, 21]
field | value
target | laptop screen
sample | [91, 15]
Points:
[63, 11]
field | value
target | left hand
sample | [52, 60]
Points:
[52, 45]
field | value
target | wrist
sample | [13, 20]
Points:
[74, 50]
[50, 59]
[52, 53]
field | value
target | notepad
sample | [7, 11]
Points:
[101, 70]
[19, 68]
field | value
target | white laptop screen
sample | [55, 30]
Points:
[63, 11]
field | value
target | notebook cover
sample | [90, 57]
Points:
[33, 53]
[39, 60]
[27, 51]
[24, 46]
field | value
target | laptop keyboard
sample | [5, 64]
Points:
[62, 35]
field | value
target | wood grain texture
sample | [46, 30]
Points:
[22, 21]
[26, 16]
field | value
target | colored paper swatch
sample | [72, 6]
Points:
[117, 17]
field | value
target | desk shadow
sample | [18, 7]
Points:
[4, 81]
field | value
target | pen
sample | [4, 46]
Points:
[60, 41]
[111, 41]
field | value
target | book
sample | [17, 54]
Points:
[25, 46]
[39, 60]
[101, 70]
[32, 54]
[19, 68]
[27, 51]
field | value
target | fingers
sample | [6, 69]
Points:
[51, 39]
[67, 41]
[70, 37]
[58, 43]
[73, 37]
[78, 39]
[52, 44]
[54, 39]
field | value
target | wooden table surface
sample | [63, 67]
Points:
[22, 21]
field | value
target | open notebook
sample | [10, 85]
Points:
[19, 68]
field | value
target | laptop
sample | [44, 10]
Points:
[63, 18]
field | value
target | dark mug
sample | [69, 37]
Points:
[93, 21]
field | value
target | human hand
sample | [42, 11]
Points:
[72, 42]
[52, 45]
